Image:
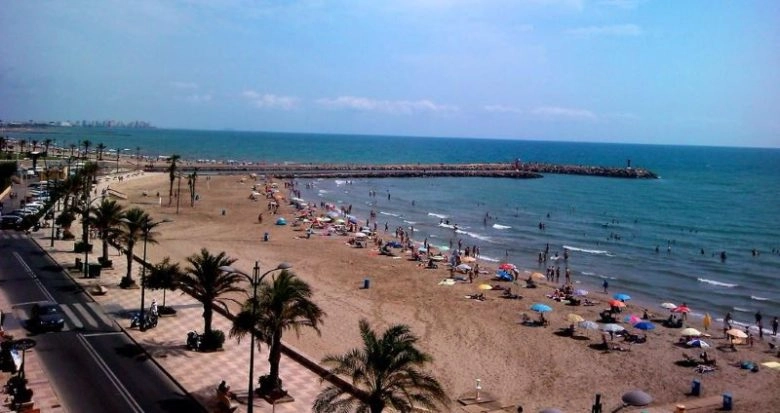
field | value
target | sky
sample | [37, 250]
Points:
[629, 71]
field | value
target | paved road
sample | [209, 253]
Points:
[92, 364]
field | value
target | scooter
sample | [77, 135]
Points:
[194, 340]
[150, 321]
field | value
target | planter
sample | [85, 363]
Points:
[106, 263]
[82, 247]
[166, 311]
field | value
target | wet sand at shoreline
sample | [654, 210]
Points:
[469, 339]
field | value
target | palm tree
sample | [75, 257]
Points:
[283, 304]
[100, 148]
[106, 218]
[191, 179]
[46, 143]
[86, 143]
[134, 221]
[72, 147]
[87, 174]
[172, 174]
[386, 372]
[164, 276]
[205, 282]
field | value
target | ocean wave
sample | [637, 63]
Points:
[716, 283]
[474, 235]
[388, 213]
[757, 298]
[741, 309]
[587, 251]
[340, 182]
[440, 216]
[588, 273]
[497, 226]
[447, 226]
[323, 191]
[489, 259]
[411, 222]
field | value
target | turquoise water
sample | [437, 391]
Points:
[708, 198]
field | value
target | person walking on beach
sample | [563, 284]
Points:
[775, 324]
[605, 284]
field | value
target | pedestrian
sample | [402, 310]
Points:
[153, 308]
[775, 324]
[605, 284]
[758, 317]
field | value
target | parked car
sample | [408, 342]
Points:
[46, 316]
[10, 221]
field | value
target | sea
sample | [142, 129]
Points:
[661, 240]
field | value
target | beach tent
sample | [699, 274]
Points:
[281, 221]
[504, 275]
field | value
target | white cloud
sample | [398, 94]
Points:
[270, 101]
[386, 106]
[613, 30]
[557, 112]
[502, 109]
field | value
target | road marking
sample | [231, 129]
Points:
[111, 376]
[35, 278]
[112, 333]
[72, 319]
[85, 315]
[98, 311]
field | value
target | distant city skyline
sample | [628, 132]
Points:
[628, 71]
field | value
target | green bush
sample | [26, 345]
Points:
[213, 341]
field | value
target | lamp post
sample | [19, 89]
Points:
[255, 280]
[146, 227]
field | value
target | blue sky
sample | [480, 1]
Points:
[644, 71]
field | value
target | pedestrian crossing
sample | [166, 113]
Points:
[78, 316]
[12, 234]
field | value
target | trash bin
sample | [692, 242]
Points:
[696, 388]
[79, 265]
[366, 283]
[94, 270]
[727, 401]
[265, 236]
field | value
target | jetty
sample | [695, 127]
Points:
[515, 170]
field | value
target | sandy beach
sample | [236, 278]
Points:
[529, 366]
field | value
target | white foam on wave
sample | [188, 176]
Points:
[474, 235]
[440, 216]
[757, 298]
[490, 259]
[588, 273]
[741, 309]
[388, 213]
[340, 182]
[498, 226]
[716, 283]
[447, 226]
[410, 222]
[588, 251]
[323, 191]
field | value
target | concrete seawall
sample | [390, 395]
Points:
[485, 170]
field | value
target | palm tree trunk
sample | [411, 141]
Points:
[207, 316]
[105, 247]
[274, 356]
[129, 275]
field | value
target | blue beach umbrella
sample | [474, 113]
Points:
[580, 292]
[644, 325]
[541, 308]
[621, 296]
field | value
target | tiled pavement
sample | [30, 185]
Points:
[198, 373]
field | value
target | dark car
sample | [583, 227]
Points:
[10, 221]
[46, 316]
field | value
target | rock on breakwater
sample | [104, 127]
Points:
[496, 170]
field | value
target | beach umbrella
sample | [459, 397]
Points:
[466, 259]
[707, 321]
[325, 219]
[588, 325]
[612, 327]
[637, 398]
[669, 306]
[681, 309]
[736, 333]
[632, 319]
[538, 276]
[507, 266]
[698, 343]
[621, 296]
[463, 267]
[541, 308]
[485, 287]
[616, 303]
[580, 293]
[574, 318]
[340, 221]
[690, 332]
[644, 325]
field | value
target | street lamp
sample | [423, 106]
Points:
[255, 280]
[146, 227]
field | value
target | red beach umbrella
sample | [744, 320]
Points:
[616, 303]
[507, 266]
[681, 309]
